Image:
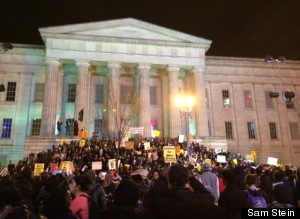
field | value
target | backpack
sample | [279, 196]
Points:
[93, 208]
[256, 201]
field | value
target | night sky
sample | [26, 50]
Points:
[238, 28]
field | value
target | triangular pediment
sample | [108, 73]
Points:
[128, 28]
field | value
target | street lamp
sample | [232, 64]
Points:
[185, 104]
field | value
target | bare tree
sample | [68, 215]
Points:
[122, 110]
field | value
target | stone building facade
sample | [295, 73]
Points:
[80, 65]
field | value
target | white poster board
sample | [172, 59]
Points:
[112, 164]
[181, 138]
[272, 161]
[147, 146]
[97, 165]
[221, 158]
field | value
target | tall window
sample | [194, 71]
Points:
[269, 100]
[11, 91]
[99, 94]
[125, 94]
[72, 93]
[36, 127]
[6, 128]
[98, 126]
[294, 130]
[226, 100]
[273, 132]
[153, 97]
[39, 92]
[251, 130]
[248, 99]
[289, 99]
[228, 130]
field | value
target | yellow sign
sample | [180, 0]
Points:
[207, 161]
[81, 142]
[38, 168]
[235, 161]
[127, 135]
[62, 141]
[157, 133]
[253, 153]
[66, 166]
[169, 154]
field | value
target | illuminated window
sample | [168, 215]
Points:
[273, 132]
[248, 99]
[228, 130]
[72, 93]
[251, 130]
[226, 100]
[39, 92]
[11, 91]
[99, 94]
[6, 128]
[36, 127]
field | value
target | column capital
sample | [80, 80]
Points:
[114, 65]
[52, 61]
[142, 66]
[83, 63]
[173, 68]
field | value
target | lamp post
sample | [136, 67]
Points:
[185, 104]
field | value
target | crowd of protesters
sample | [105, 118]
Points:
[143, 185]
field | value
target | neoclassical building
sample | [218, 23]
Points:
[81, 64]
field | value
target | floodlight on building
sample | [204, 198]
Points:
[6, 47]
[268, 59]
[280, 59]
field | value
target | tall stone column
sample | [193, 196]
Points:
[145, 117]
[114, 96]
[48, 124]
[201, 110]
[82, 93]
[174, 118]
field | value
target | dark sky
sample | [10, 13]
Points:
[238, 28]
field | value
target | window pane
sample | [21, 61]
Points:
[99, 94]
[289, 99]
[226, 100]
[36, 127]
[294, 130]
[39, 92]
[273, 132]
[251, 130]
[11, 91]
[153, 98]
[6, 127]
[228, 130]
[269, 100]
[248, 99]
[72, 93]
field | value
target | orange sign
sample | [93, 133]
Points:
[83, 134]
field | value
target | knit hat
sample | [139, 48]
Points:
[207, 167]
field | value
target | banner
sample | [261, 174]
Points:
[169, 154]
[221, 158]
[147, 146]
[97, 165]
[129, 145]
[38, 168]
[136, 130]
[272, 161]
[112, 164]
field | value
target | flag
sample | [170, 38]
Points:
[80, 115]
